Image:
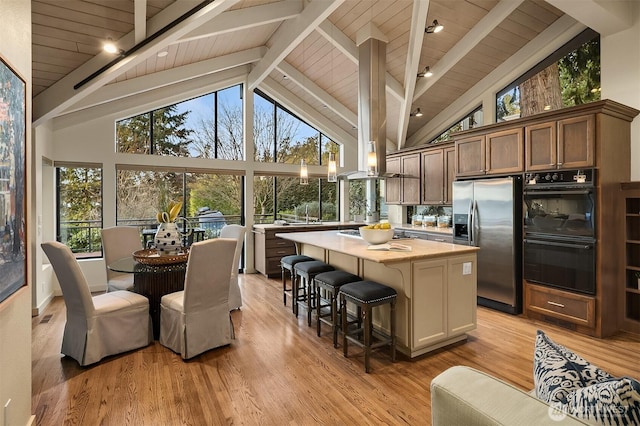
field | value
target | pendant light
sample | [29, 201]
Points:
[332, 168]
[372, 160]
[304, 174]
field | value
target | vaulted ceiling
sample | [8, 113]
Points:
[302, 52]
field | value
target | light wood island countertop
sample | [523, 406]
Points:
[420, 249]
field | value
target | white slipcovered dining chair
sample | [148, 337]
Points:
[119, 242]
[197, 318]
[237, 233]
[98, 326]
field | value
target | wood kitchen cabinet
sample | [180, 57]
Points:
[491, 153]
[404, 189]
[560, 144]
[594, 135]
[438, 173]
[269, 249]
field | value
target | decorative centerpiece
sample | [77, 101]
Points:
[168, 239]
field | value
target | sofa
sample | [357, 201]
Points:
[465, 396]
[568, 390]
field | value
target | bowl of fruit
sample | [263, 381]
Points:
[379, 233]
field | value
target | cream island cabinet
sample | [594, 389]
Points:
[436, 284]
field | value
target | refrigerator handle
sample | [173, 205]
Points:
[474, 222]
[470, 223]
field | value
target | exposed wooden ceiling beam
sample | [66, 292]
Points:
[248, 17]
[416, 39]
[289, 35]
[140, 20]
[62, 95]
[176, 75]
[491, 20]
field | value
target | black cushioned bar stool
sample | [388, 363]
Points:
[286, 264]
[331, 282]
[306, 272]
[366, 295]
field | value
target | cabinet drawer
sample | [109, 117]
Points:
[574, 308]
[279, 251]
[279, 243]
[273, 266]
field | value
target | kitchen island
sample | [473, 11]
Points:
[436, 284]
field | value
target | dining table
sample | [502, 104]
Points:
[153, 282]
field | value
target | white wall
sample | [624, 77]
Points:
[15, 312]
[620, 59]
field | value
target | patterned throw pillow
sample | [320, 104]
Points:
[613, 402]
[557, 371]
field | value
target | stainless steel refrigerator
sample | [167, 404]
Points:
[487, 213]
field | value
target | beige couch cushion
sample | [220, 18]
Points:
[465, 396]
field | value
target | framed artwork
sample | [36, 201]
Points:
[13, 261]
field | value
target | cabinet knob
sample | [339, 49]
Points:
[559, 164]
[559, 305]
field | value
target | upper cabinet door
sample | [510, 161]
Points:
[541, 148]
[470, 156]
[392, 185]
[433, 177]
[504, 152]
[576, 138]
[410, 182]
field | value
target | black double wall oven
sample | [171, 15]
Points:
[559, 235]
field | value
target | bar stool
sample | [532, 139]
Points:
[366, 295]
[306, 272]
[331, 282]
[286, 264]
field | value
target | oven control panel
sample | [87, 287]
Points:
[560, 178]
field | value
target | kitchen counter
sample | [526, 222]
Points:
[268, 249]
[420, 249]
[311, 225]
[436, 284]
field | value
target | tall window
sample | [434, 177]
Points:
[79, 199]
[209, 126]
[210, 200]
[570, 76]
[280, 136]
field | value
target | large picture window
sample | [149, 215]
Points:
[280, 136]
[209, 126]
[283, 198]
[210, 200]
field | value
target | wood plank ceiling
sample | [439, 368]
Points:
[295, 51]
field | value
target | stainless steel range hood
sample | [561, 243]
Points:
[372, 102]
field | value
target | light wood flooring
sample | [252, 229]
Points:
[278, 372]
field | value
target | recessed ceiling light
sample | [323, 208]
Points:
[162, 53]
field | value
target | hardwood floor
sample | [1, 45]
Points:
[278, 371]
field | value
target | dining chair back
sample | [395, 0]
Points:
[96, 326]
[119, 242]
[197, 318]
[236, 232]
